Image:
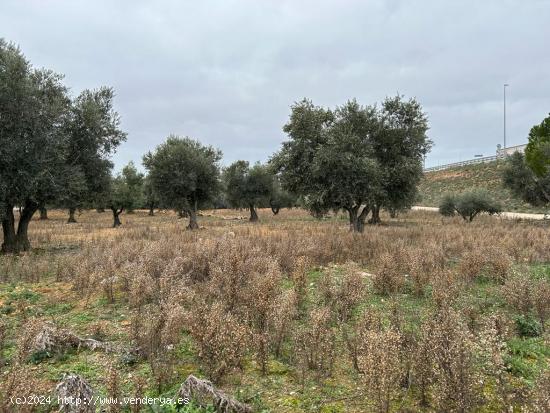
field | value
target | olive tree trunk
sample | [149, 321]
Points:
[375, 218]
[151, 210]
[357, 218]
[192, 219]
[43, 213]
[116, 218]
[274, 207]
[17, 241]
[253, 213]
[71, 219]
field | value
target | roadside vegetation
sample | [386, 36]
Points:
[486, 176]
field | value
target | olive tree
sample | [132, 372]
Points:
[248, 187]
[33, 110]
[355, 158]
[124, 192]
[399, 146]
[329, 159]
[280, 198]
[135, 181]
[184, 174]
[150, 197]
[94, 134]
[528, 176]
[469, 204]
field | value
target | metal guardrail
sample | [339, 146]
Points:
[457, 164]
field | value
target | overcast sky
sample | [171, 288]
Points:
[226, 72]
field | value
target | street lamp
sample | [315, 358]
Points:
[505, 85]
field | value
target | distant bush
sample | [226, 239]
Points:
[469, 204]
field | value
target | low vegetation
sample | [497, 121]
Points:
[486, 176]
[290, 315]
[468, 205]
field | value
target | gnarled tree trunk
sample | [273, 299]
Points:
[375, 218]
[15, 242]
[357, 218]
[71, 219]
[192, 219]
[253, 213]
[274, 207]
[151, 210]
[116, 219]
[43, 213]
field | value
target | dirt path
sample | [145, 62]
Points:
[511, 215]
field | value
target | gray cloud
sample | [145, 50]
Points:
[226, 72]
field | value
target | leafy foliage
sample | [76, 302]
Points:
[469, 204]
[537, 153]
[247, 186]
[33, 108]
[354, 158]
[93, 130]
[125, 191]
[524, 183]
[184, 174]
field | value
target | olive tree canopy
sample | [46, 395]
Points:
[125, 192]
[528, 176]
[469, 205]
[94, 134]
[184, 174]
[33, 111]
[248, 187]
[356, 158]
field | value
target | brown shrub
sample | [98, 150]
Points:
[490, 262]
[422, 265]
[389, 277]
[370, 320]
[113, 388]
[220, 338]
[282, 320]
[299, 276]
[445, 362]
[18, 381]
[342, 292]
[315, 343]
[379, 360]
[540, 395]
[528, 295]
[447, 287]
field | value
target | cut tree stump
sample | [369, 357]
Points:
[204, 393]
[76, 395]
[52, 339]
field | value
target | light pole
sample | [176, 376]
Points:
[505, 85]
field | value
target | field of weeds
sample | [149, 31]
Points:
[291, 314]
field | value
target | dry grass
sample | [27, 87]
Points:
[291, 313]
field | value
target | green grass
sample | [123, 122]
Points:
[486, 176]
